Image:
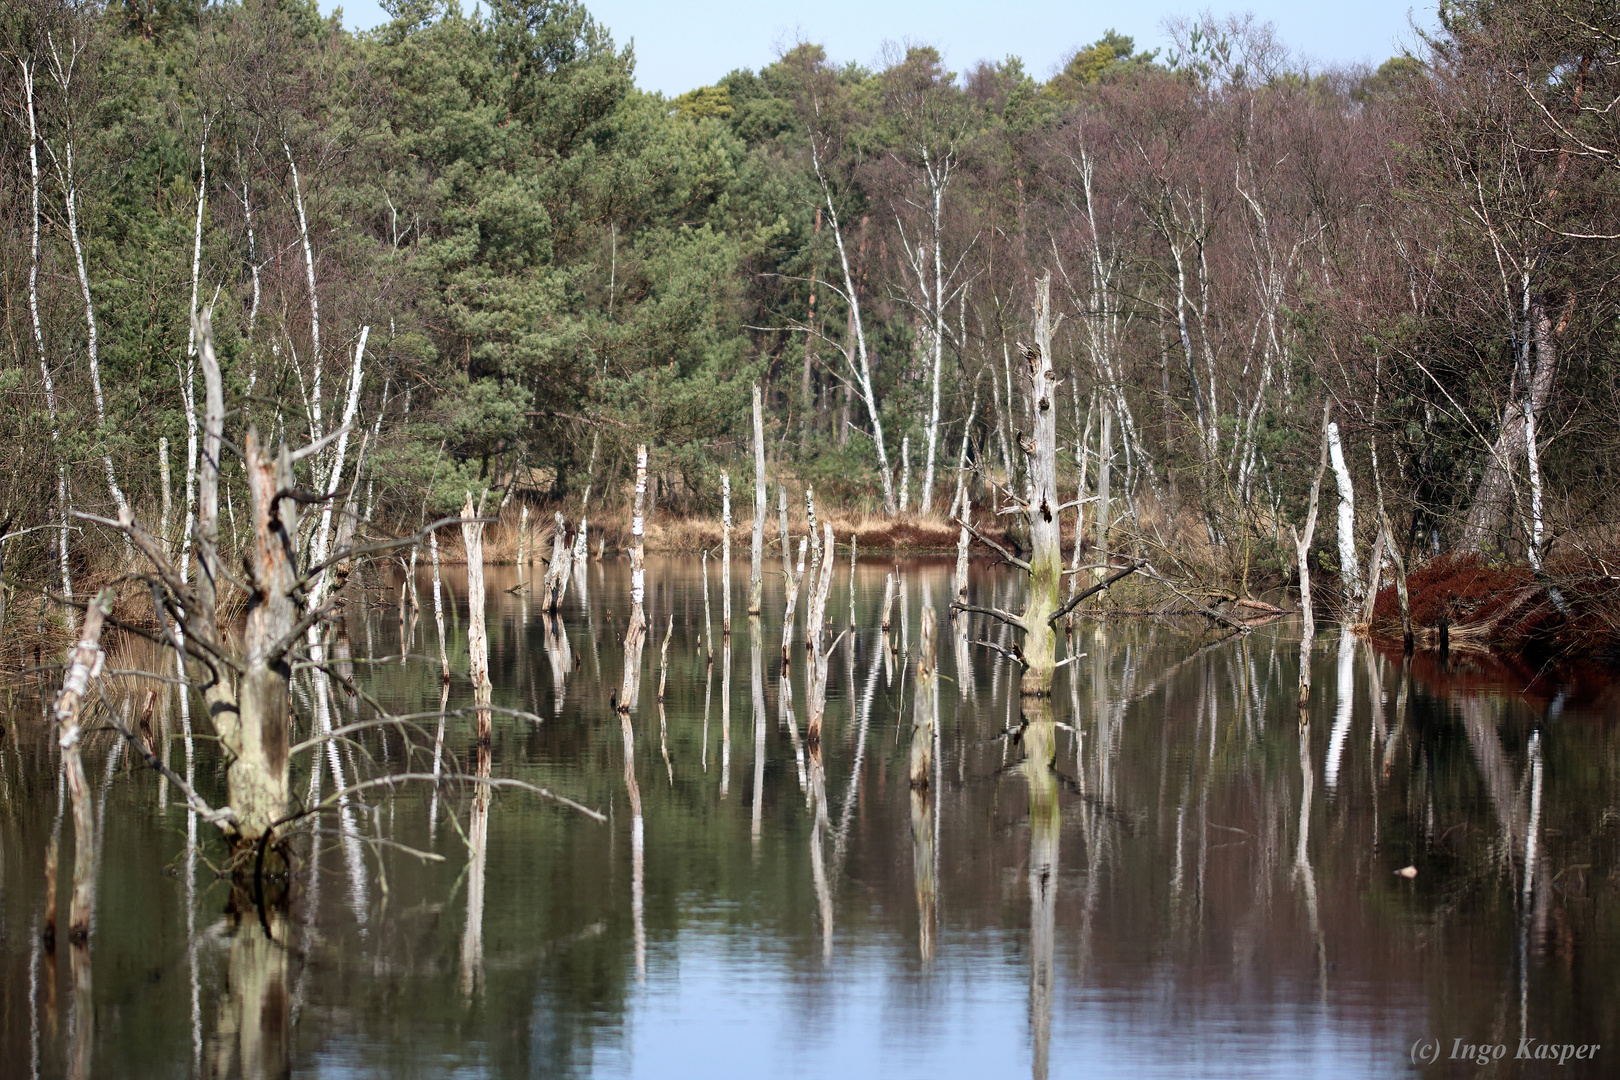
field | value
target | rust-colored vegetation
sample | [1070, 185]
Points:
[1507, 608]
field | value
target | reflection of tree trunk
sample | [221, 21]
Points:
[756, 657]
[1045, 825]
[1517, 804]
[784, 706]
[725, 715]
[1344, 710]
[922, 869]
[818, 862]
[637, 845]
[560, 655]
[472, 937]
[1304, 873]
[84, 1011]
[254, 1013]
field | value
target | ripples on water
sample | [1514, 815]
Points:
[1194, 890]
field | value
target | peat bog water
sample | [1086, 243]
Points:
[1194, 887]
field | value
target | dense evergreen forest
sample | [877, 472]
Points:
[469, 241]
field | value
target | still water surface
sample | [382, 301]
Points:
[1196, 887]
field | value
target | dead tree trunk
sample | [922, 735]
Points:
[83, 665]
[757, 549]
[1349, 564]
[1302, 548]
[258, 747]
[819, 652]
[725, 551]
[924, 695]
[472, 533]
[1039, 506]
[793, 581]
[962, 540]
[556, 581]
[1041, 503]
[635, 634]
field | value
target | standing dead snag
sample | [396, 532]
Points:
[793, 581]
[1302, 548]
[472, 532]
[1349, 565]
[757, 550]
[960, 581]
[815, 624]
[635, 634]
[924, 695]
[725, 551]
[438, 607]
[84, 665]
[1039, 506]
[556, 581]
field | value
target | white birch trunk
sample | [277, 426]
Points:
[1349, 565]
[757, 548]
[27, 72]
[309, 274]
[725, 555]
[317, 594]
[635, 634]
[905, 473]
[815, 532]
[963, 539]
[859, 364]
[438, 606]
[64, 173]
[472, 534]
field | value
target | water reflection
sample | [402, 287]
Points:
[1207, 887]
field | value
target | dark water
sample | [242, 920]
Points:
[1196, 888]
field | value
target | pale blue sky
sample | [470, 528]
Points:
[681, 45]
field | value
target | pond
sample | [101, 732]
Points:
[1198, 884]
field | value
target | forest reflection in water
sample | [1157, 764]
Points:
[1157, 870]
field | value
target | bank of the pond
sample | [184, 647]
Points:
[1567, 616]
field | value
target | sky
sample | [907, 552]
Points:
[692, 43]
